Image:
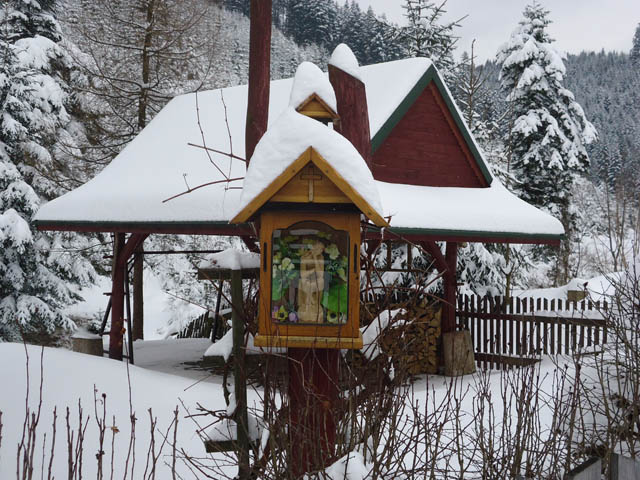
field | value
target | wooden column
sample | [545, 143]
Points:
[450, 287]
[138, 294]
[117, 300]
[239, 374]
[259, 75]
[351, 98]
[122, 252]
[313, 397]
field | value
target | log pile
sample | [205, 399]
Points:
[412, 343]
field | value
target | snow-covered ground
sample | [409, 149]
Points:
[159, 382]
[69, 378]
[159, 306]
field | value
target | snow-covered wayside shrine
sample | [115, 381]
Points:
[349, 159]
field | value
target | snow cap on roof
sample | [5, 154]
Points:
[310, 79]
[287, 139]
[344, 59]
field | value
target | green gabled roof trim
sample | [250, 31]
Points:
[431, 75]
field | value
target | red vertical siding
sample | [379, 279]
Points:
[427, 148]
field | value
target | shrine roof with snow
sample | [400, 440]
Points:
[456, 195]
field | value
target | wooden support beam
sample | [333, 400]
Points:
[259, 74]
[450, 286]
[313, 399]
[240, 374]
[118, 279]
[436, 254]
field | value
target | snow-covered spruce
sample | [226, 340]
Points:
[550, 130]
[33, 120]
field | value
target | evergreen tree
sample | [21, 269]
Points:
[34, 280]
[635, 50]
[550, 130]
[426, 36]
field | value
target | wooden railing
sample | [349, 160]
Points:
[518, 331]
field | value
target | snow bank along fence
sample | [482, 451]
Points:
[516, 331]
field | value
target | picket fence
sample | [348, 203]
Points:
[517, 331]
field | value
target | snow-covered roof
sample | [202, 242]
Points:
[286, 141]
[160, 163]
[310, 80]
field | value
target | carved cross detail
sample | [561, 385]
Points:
[310, 174]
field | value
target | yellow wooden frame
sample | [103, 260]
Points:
[314, 107]
[309, 155]
[272, 334]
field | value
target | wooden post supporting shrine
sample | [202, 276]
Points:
[239, 374]
[122, 252]
[313, 396]
[450, 287]
[259, 74]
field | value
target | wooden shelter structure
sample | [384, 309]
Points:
[433, 181]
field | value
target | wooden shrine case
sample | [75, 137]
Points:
[309, 279]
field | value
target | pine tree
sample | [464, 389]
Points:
[426, 36]
[34, 280]
[550, 130]
[635, 50]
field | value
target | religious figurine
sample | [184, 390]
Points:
[311, 284]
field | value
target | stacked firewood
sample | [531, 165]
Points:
[412, 340]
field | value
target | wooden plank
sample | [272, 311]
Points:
[518, 327]
[485, 333]
[539, 327]
[511, 322]
[532, 329]
[539, 318]
[290, 341]
[545, 332]
[492, 333]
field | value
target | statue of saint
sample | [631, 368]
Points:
[311, 284]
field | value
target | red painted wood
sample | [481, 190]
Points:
[184, 229]
[351, 98]
[313, 399]
[427, 148]
[418, 237]
[259, 75]
[450, 286]
[116, 332]
[436, 254]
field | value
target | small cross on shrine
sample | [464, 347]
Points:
[311, 174]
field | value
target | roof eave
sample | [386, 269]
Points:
[178, 228]
[472, 236]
